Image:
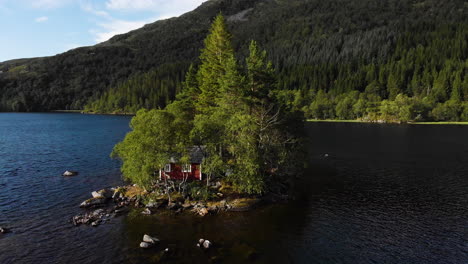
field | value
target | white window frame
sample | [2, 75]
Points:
[167, 167]
[184, 168]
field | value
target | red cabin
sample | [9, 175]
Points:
[176, 171]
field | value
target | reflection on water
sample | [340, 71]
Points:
[384, 194]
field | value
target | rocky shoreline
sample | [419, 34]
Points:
[110, 203]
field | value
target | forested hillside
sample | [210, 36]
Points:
[346, 59]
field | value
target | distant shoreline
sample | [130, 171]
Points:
[369, 122]
[89, 113]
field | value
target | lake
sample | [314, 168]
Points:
[372, 194]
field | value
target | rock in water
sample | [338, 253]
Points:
[207, 244]
[145, 245]
[150, 239]
[96, 195]
[3, 230]
[70, 173]
[104, 193]
[93, 202]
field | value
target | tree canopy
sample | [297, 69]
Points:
[249, 138]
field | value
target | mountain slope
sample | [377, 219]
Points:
[298, 35]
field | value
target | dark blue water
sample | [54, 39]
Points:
[384, 194]
[36, 202]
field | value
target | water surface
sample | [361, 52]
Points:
[382, 194]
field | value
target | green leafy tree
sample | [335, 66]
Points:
[148, 147]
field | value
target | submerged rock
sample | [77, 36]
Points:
[91, 218]
[70, 173]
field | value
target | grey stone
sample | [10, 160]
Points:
[93, 202]
[207, 244]
[150, 239]
[70, 173]
[145, 245]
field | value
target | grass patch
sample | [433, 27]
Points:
[410, 123]
[336, 121]
[439, 123]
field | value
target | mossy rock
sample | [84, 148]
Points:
[134, 191]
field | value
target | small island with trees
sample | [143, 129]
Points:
[249, 146]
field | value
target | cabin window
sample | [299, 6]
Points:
[186, 168]
[167, 168]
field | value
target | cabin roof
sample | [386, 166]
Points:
[196, 155]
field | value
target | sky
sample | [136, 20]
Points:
[36, 28]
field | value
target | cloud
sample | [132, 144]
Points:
[110, 26]
[115, 27]
[42, 19]
[88, 7]
[173, 6]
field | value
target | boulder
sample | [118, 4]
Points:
[117, 194]
[121, 211]
[96, 195]
[203, 211]
[104, 193]
[153, 205]
[200, 241]
[147, 211]
[206, 244]
[145, 245]
[93, 202]
[150, 239]
[3, 230]
[70, 173]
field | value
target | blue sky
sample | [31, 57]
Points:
[35, 28]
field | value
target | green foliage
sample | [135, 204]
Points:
[154, 89]
[200, 192]
[215, 57]
[246, 135]
[154, 138]
[448, 111]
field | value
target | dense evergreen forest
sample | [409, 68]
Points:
[392, 60]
